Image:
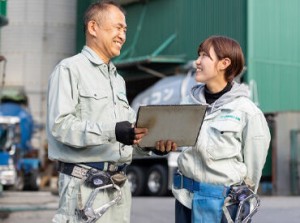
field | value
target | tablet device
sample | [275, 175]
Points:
[178, 123]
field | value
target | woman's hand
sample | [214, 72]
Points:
[165, 146]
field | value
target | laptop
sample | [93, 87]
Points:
[178, 123]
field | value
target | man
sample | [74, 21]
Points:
[90, 130]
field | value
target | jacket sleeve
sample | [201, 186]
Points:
[64, 122]
[255, 148]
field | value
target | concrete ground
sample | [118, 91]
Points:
[39, 207]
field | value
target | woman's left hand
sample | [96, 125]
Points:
[165, 146]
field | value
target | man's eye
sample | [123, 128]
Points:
[121, 29]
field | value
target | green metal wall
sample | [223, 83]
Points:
[3, 19]
[274, 53]
[2, 7]
[268, 31]
[191, 21]
[82, 5]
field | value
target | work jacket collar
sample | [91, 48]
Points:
[94, 58]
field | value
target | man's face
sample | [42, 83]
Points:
[110, 34]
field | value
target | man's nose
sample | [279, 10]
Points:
[122, 35]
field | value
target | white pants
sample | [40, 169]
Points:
[68, 192]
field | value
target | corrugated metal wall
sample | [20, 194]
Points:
[2, 7]
[274, 53]
[191, 21]
[3, 19]
[268, 31]
[80, 37]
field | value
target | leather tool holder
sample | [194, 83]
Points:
[119, 179]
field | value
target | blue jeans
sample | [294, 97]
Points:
[182, 213]
[208, 203]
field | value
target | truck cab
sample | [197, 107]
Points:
[19, 164]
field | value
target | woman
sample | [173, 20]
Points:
[233, 142]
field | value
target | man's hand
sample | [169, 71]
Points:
[127, 134]
[139, 133]
[165, 146]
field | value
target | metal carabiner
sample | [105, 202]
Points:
[254, 210]
[90, 215]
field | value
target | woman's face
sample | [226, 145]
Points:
[207, 67]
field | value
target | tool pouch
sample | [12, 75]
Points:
[237, 205]
[119, 179]
[96, 178]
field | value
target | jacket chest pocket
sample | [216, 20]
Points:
[92, 101]
[224, 139]
[123, 106]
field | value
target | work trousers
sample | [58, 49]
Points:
[69, 189]
[184, 214]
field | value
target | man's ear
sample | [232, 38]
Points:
[224, 63]
[91, 28]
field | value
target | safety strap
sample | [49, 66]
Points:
[227, 203]
[98, 180]
[90, 215]
[238, 218]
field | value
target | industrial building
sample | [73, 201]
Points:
[162, 37]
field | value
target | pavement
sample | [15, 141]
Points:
[31, 207]
[39, 207]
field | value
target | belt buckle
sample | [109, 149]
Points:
[79, 172]
[112, 167]
[61, 166]
[181, 179]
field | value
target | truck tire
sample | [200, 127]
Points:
[136, 180]
[157, 181]
[31, 181]
[19, 185]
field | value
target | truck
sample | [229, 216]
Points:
[19, 162]
[153, 175]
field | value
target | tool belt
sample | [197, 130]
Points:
[237, 198]
[180, 181]
[97, 176]
[79, 170]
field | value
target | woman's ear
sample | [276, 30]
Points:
[224, 63]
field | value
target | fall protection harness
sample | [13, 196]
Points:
[98, 180]
[247, 201]
[111, 179]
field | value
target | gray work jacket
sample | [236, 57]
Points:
[86, 98]
[232, 146]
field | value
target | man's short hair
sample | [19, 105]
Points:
[97, 9]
